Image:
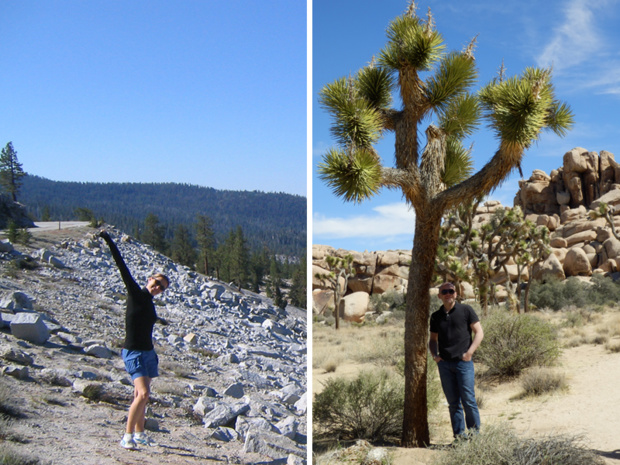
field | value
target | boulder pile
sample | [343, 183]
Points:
[561, 201]
[232, 361]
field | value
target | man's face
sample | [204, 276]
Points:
[447, 294]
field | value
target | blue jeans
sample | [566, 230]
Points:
[457, 381]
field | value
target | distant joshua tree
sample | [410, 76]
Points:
[435, 178]
[340, 270]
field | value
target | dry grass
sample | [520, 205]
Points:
[170, 386]
[180, 370]
[539, 381]
[613, 346]
[383, 345]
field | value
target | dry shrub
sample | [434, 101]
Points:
[498, 445]
[368, 407]
[330, 366]
[167, 386]
[539, 381]
[613, 347]
[513, 343]
[9, 456]
[599, 339]
[177, 368]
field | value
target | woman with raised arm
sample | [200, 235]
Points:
[138, 353]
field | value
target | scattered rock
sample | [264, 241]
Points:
[30, 327]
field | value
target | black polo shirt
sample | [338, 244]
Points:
[454, 330]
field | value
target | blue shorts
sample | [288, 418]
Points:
[140, 363]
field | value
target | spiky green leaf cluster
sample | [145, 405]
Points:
[357, 122]
[455, 74]
[458, 165]
[354, 176]
[411, 43]
[375, 85]
[521, 107]
[461, 116]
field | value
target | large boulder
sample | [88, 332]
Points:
[537, 195]
[384, 282]
[549, 269]
[322, 302]
[356, 306]
[577, 263]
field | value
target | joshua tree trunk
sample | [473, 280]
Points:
[415, 422]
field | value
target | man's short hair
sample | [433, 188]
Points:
[447, 285]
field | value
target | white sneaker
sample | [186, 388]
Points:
[144, 440]
[129, 444]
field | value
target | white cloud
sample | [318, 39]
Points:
[576, 40]
[581, 48]
[386, 220]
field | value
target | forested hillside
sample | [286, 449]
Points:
[273, 220]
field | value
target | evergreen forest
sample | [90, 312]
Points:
[254, 240]
[275, 221]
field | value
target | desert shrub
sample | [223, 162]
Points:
[362, 452]
[515, 342]
[613, 347]
[575, 317]
[498, 445]
[9, 456]
[557, 294]
[24, 263]
[388, 301]
[368, 407]
[8, 409]
[330, 366]
[494, 445]
[96, 393]
[170, 386]
[555, 450]
[603, 291]
[180, 370]
[599, 339]
[540, 381]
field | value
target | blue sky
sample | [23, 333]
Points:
[204, 92]
[578, 37]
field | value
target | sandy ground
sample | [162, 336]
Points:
[590, 408]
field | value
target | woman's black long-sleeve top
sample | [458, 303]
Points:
[140, 316]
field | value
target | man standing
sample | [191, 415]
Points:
[452, 348]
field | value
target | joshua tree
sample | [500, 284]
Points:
[340, 270]
[518, 109]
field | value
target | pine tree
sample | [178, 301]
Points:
[154, 233]
[234, 258]
[258, 266]
[46, 215]
[274, 277]
[297, 294]
[205, 236]
[11, 171]
[183, 251]
[240, 259]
